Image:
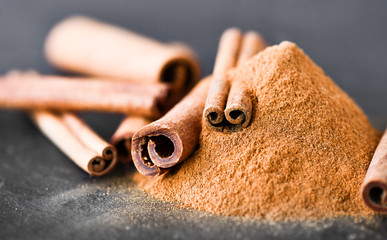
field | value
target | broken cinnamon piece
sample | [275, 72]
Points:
[217, 95]
[171, 139]
[28, 91]
[374, 187]
[75, 139]
[122, 138]
[88, 46]
[239, 103]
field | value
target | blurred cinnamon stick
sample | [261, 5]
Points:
[374, 187]
[122, 138]
[74, 138]
[26, 91]
[84, 45]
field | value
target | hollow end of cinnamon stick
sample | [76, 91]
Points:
[238, 116]
[99, 166]
[235, 115]
[214, 116]
[155, 150]
[108, 153]
[142, 160]
[165, 149]
[374, 194]
[171, 139]
[238, 109]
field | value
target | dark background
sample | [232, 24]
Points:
[43, 195]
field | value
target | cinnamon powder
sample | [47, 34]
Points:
[303, 156]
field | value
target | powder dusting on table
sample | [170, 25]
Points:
[303, 156]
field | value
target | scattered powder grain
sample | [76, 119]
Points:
[303, 156]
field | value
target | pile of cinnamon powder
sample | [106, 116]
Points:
[303, 156]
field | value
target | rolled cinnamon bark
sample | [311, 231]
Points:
[172, 138]
[122, 138]
[239, 103]
[74, 138]
[217, 95]
[84, 45]
[374, 188]
[27, 91]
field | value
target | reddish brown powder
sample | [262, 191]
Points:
[304, 155]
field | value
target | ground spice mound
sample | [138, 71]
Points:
[303, 156]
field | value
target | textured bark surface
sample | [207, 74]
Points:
[27, 91]
[177, 133]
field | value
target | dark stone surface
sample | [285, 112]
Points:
[43, 195]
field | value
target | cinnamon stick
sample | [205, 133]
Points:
[84, 45]
[217, 94]
[171, 139]
[374, 187]
[26, 91]
[122, 138]
[74, 138]
[239, 103]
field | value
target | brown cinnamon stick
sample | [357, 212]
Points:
[122, 138]
[26, 91]
[172, 138]
[74, 138]
[84, 45]
[239, 103]
[217, 95]
[374, 188]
